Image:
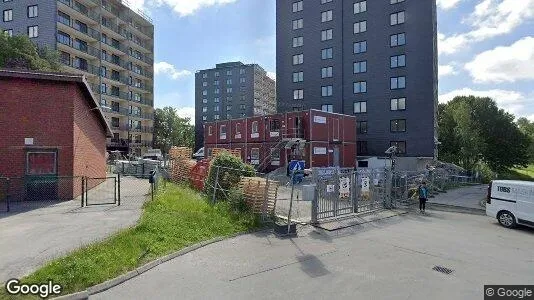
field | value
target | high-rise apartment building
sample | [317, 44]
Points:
[231, 90]
[109, 43]
[376, 59]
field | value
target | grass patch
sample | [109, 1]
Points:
[178, 217]
[526, 174]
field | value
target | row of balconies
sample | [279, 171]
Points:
[127, 112]
[130, 142]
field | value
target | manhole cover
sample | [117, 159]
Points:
[442, 270]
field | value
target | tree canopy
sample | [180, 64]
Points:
[527, 128]
[172, 130]
[474, 130]
[19, 52]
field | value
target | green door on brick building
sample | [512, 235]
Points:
[41, 180]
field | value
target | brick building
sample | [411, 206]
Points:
[51, 127]
[322, 139]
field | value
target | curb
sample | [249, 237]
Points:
[82, 295]
[456, 209]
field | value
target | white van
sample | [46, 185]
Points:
[511, 202]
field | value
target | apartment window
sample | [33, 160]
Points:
[216, 91]
[205, 109]
[228, 81]
[326, 35]
[327, 107]
[229, 90]
[33, 12]
[80, 26]
[63, 18]
[360, 7]
[114, 122]
[229, 73]
[397, 18]
[222, 131]
[360, 107]
[216, 82]
[298, 59]
[216, 117]
[360, 87]
[398, 61]
[395, 1]
[242, 80]
[327, 72]
[204, 118]
[297, 6]
[216, 108]
[398, 39]
[204, 84]
[64, 57]
[298, 76]
[104, 38]
[327, 53]
[255, 127]
[298, 24]
[228, 107]
[362, 147]
[33, 31]
[360, 27]
[242, 71]
[326, 91]
[326, 16]
[325, 1]
[228, 116]
[398, 104]
[298, 94]
[204, 93]
[398, 125]
[360, 67]
[298, 42]
[205, 101]
[242, 106]
[398, 82]
[8, 15]
[242, 98]
[360, 47]
[217, 74]
[9, 32]
[401, 146]
[204, 75]
[103, 88]
[362, 127]
[103, 71]
[216, 99]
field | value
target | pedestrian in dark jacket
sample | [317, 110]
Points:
[423, 196]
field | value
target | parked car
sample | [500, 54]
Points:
[511, 202]
[199, 154]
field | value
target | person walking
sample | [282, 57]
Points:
[423, 196]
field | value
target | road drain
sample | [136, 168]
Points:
[442, 270]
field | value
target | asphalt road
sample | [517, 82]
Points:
[388, 259]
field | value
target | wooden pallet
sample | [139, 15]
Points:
[181, 170]
[259, 194]
[180, 153]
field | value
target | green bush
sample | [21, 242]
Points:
[485, 172]
[230, 171]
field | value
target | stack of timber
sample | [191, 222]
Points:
[260, 194]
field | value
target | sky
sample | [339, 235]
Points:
[486, 47]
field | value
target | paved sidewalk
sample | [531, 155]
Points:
[469, 197]
[387, 259]
[31, 238]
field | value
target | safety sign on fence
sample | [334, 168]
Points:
[344, 187]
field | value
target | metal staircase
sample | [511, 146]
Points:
[288, 141]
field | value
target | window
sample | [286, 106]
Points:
[397, 18]
[242, 71]
[222, 131]
[204, 118]
[64, 58]
[229, 90]
[216, 74]
[216, 108]
[9, 32]
[395, 1]
[398, 39]
[298, 59]
[275, 156]
[398, 61]
[360, 87]
[8, 15]
[255, 127]
[205, 109]
[274, 125]
[298, 42]
[229, 99]
[360, 107]
[228, 81]
[298, 76]
[204, 101]
[205, 75]
[401, 146]
[326, 53]
[398, 82]
[254, 155]
[216, 91]
[398, 104]
[229, 73]
[63, 38]
[298, 94]
[398, 125]
[298, 24]
[360, 7]
[228, 107]
[210, 130]
[33, 11]
[326, 16]
[242, 80]
[216, 117]
[228, 116]
[242, 106]
[216, 82]
[204, 93]
[360, 67]
[362, 147]
[204, 84]
[103, 71]
[360, 27]
[362, 127]
[325, 1]
[297, 6]
[326, 35]
[360, 47]
[326, 72]
[326, 91]
[216, 99]
[238, 128]
[327, 107]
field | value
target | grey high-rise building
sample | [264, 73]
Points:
[109, 43]
[232, 90]
[376, 59]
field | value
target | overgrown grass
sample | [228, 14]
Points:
[526, 174]
[178, 217]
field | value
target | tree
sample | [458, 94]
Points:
[172, 130]
[527, 128]
[474, 130]
[19, 52]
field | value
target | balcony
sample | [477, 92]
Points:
[142, 58]
[114, 28]
[118, 62]
[81, 9]
[78, 46]
[81, 66]
[87, 31]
